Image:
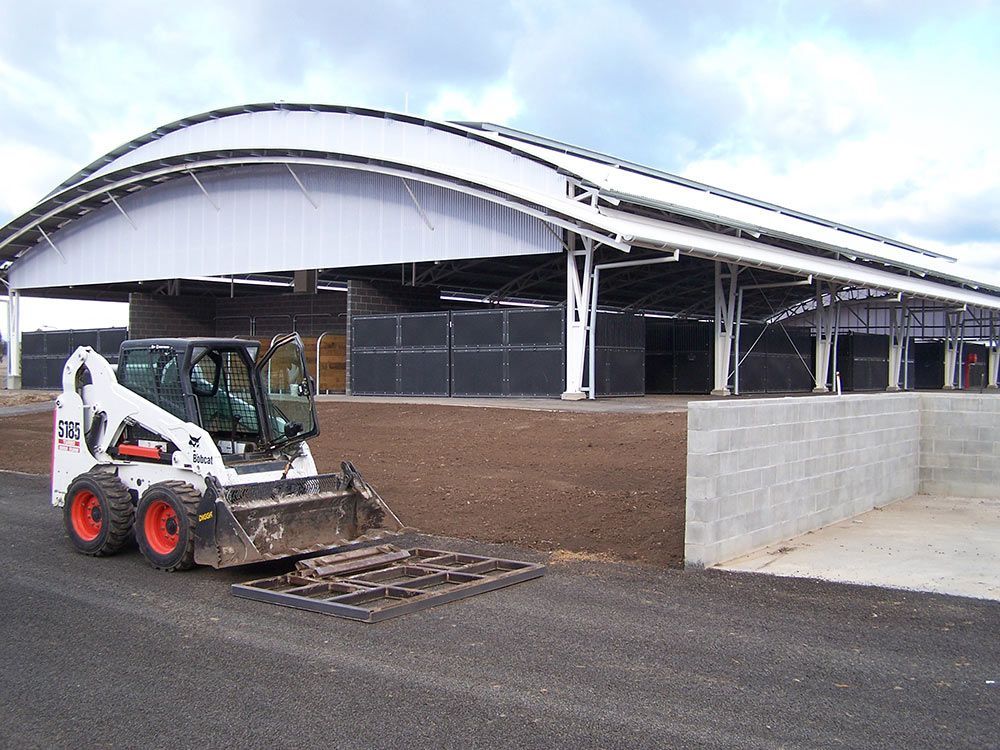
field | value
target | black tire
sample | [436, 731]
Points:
[98, 513]
[164, 525]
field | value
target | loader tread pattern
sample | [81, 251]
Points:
[121, 512]
[190, 499]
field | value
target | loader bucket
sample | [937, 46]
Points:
[271, 520]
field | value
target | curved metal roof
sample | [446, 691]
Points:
[616, 202]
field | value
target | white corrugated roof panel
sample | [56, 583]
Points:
[624, 184]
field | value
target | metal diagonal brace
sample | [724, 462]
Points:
[301, 186]
[738, 326]
[122, 210]
[52, 244]
[416, 203]
[204, 191]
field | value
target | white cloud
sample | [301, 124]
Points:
[29, 173]
[883, 140]
[855, 111]
[498, 103]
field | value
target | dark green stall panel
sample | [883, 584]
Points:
[44, 353]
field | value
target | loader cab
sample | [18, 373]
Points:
[249, 403]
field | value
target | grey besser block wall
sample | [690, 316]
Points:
[157, 316]
[960, 444]
[763, 470]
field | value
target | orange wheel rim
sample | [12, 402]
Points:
[86, 516]
[161, 527]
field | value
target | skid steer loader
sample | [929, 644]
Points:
[200, 450]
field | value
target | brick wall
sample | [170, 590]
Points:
[764, 470]
[308, 314]
[157, 316]
[371, 298]
[378, 298]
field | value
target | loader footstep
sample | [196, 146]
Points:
[377, 583]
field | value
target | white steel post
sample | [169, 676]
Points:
[826, 335]
[725, 312]
[952, 344]
[899, 331]
[14, 344]
[993, 360]
[595, 288]
[577, 317]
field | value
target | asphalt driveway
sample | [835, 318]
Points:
[110, 653]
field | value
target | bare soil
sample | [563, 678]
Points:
[599, 484]
[20, 398]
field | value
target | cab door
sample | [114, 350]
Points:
[287, 391]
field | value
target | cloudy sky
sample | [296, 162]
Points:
[877, 113]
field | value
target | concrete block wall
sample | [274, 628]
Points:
[763, 470]
[158, 316]
[308, 314]
[960, 444]
[152, 316]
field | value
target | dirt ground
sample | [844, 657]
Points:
[610, 485]
[20, 398]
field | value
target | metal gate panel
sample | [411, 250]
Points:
[659, 372]
[620, 355]
[535, 327]
[477, 372]
[400, 355]
[424, 331]
[373, 373]
[423, 373]
[424, 365]
[479, 364]
[508, 353]
[535, 372]
[34, 373]
[374, 332]
[87, 338]
[621, 372]
[502, 353]
[863, 361]
[693, 367]
[477, 330]
[32, 345]
[44, 353]
[110, 342]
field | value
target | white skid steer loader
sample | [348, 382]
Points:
[201, 450]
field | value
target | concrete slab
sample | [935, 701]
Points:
[639, 405]
[947, 545]
[17, 411]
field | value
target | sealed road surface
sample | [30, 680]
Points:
[110, 653]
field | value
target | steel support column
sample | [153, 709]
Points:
[993, 361]
[899, 333]
[595, 291]
[954, 324]
[725, 313]
[577, 316]
[826, 334]
[14, 343]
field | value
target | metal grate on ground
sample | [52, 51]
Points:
[379, 583]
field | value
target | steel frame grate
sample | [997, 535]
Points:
[378, 583]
